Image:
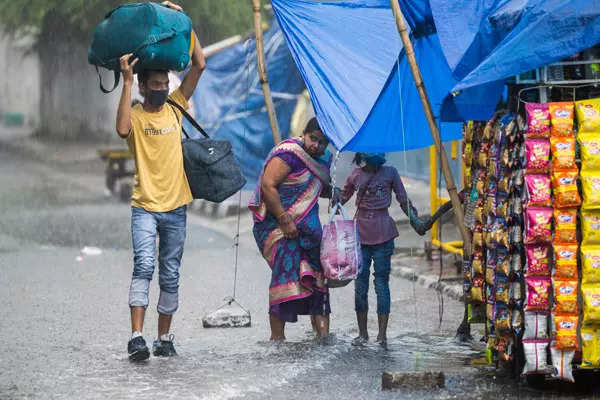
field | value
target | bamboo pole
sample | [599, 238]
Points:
[262, 72]
[414, 67]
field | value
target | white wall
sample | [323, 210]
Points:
[20, 82]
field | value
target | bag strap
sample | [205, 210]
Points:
[117, 78]
[189, 118]
[364, 192]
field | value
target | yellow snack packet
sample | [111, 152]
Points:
[591, 304]
[589, 145]
[590, 227]
[590, 182]
[588, 115]
[590, 356]
[590, 264]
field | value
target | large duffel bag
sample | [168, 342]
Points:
[159, 36]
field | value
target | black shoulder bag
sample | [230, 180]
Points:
[210, 166]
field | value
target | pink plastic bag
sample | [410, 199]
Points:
[341, 257]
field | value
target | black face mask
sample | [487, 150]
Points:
[158, 98]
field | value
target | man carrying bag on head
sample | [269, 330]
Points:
[161, 192]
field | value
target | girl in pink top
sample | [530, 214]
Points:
[374, 184]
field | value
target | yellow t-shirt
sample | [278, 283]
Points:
[155, 141]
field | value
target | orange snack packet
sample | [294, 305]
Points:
[561, 118]
[565, 225]
[564, 185]
[565, 330]
[565, 296]
[565, 260]
[563, 152]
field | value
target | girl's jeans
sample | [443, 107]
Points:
[170, 227]
[381, 255]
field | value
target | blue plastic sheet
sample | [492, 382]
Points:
[229, 103]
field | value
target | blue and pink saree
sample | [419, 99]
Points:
[295, 265]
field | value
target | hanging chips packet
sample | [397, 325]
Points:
[589, 147]
[590, 183]
[538, 190]
[538, 120]
[537, 155]
[563, 152]
[538, 222]
[565, 296]
[535, 356]
[590, 227]
[564, 186]
[565, 331]
[536, 326]
[538, 294]
[565, 225]
[565, 260]
[538, 259]
[591, 304]
[590, 348]
[561, 118]
[588, 115]
[561, 363]
[590, 264]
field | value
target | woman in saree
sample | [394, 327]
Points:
[288, 231]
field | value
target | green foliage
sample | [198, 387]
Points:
[213, 20]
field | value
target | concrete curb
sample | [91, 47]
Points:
[451, 290]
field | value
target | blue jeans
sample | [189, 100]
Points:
[170, 227]
[381, 255]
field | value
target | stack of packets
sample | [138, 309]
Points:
[538, 237]
[494, 180]
[588, 136]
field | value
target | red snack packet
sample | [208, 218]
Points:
[538, 225]
[538, 190]
[537, 155]
[538, 294]
[538, 259]
[538, 120]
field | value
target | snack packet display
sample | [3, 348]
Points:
[537, 155]
[536, 326]
[589, 148]
[538, 225]
[516, 294]
[564, 186]
[590, 348]
[478, 290]
[563, 152]
[565, 261]
[588, 115]
[538, 190]
[590, 227]
[561, 361]
[590, 264]
[565, 331]
[590, 183]
[490, 275]
[538, 259]
[565, 225]
[517, 321]
[535, 356]
[565, 297]
[538, 294]
[591, 304]
[503, 319]
[502, 290]
[538, 120]
[561, 118]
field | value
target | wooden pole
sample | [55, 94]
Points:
[414, 67]
[262, 72]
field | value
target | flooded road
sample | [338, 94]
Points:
[65, 321]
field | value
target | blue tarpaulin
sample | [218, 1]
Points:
[350, 57]
[229, 102]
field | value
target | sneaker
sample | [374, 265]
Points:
[137, 349]
[164, 348]
[360, 341]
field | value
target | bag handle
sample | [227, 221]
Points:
[117, 78]
[189, 118]
[334, 210]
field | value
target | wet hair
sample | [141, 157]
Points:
[312, 125]
[358, 159]
[144, 75]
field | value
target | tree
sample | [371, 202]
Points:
[71, 106]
